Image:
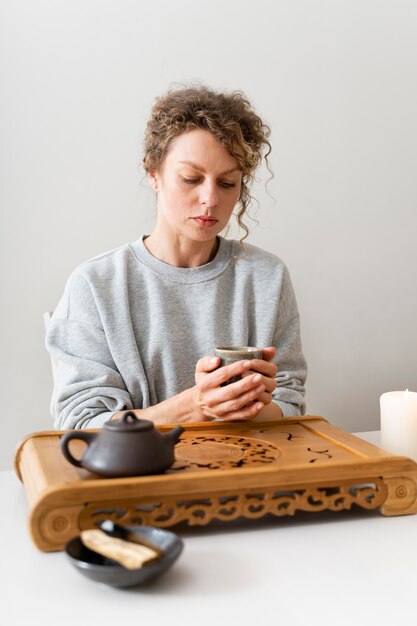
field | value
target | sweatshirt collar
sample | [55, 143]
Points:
[185, 275]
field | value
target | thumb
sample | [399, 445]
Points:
[207, 364]
[268, 353]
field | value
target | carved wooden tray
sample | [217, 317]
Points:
[222, 471]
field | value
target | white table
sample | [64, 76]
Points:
[354, 567]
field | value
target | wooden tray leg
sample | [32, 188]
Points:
[51, 529]
[402, 494]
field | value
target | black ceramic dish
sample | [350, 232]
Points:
[107, 571]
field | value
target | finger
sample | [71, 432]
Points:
[207, 364]
[245, 414]
[213, 396]
[263, 367]
[269, 384]
[265, 397]
[268, 353]
[222, 374]
[236, 404]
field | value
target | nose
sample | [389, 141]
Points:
[209, 195]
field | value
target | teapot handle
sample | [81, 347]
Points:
[75, 434]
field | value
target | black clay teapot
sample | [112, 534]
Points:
[125, 447]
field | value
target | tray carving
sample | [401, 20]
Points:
[222, 452]
[252, 505]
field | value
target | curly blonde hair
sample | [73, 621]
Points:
[228, 116]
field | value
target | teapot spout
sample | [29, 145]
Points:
[174, 435]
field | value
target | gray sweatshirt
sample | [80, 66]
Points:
[129, 328]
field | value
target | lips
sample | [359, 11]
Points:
[205, 220]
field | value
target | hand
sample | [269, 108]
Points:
[207, 400]
[238, 400]
[268, 371]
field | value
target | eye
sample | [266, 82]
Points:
[190, 181]
[228, 185]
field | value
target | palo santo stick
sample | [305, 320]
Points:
[130, 555]
[134, 537]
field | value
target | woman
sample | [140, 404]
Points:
[136, 327]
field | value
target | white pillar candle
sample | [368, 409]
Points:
[399, 423]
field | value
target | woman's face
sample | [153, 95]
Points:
[198, 186]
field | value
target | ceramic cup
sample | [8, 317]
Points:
[230, 354]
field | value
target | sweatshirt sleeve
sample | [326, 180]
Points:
[292, 366]
[88, 388]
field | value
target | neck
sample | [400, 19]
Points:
[183, 253]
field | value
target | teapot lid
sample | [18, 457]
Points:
[128, 423]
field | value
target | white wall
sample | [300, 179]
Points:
[337, 82]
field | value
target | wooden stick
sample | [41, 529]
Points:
[135, 537]
[128, 554]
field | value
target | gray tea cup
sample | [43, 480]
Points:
[231, 354]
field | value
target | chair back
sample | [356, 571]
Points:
[46, 319]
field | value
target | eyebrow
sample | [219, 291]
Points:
[201, 169]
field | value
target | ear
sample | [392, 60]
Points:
[154, 180]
